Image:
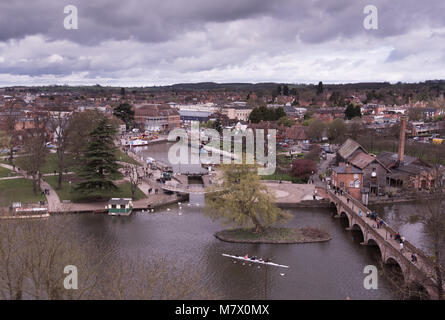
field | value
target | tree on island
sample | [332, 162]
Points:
[125, 112]
[245, 201]
[99, 160]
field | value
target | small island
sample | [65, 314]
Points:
[242, 201]
[274, 235]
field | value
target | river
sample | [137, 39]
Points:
[328, 270]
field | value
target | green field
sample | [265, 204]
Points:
[283, 177]
[17, 190]
[67, 192]
[51, 163]
[121, 156]
[6, 173]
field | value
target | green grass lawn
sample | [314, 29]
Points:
[6, 173]
[121, 156]
[17, 190]
[277, 176]
[51, 163]
[68, 193]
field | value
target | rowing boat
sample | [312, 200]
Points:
[255, 261]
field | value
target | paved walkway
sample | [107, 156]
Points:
[54, 203]
[290, 192]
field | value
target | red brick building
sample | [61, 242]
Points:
[348, 178]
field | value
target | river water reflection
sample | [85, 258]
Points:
[328, 270]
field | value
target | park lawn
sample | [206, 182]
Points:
[121, 156]
[277, 176]
[68, 193]
[50, 165]
[6, 173]
[18, 190]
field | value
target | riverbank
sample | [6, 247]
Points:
[99, 208]
[33, 216]
[274, 235]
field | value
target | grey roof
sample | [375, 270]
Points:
[119, 201]
[388, 158]
[192, 113]
[342, 169]
[348, 148]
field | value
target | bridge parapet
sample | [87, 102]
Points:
[423, 270]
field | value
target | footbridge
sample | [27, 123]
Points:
[422, 272]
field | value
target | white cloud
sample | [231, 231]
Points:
[310, 44]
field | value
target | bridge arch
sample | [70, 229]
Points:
[373, 243]
[399, 267]
[357, 228]
[343, 214]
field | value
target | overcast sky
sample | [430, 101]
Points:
[158, 42]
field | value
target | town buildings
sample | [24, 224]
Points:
[157, 117]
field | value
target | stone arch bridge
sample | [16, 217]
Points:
[421, 272]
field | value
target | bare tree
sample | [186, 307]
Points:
[433, 220]
[9, 126]
[154, 278]
[34, 144]
[33, 255]
[134, 175]
[59, 124]
[81, 125]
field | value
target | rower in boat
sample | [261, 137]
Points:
[266, 261]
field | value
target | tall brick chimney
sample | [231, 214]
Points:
[401, 153]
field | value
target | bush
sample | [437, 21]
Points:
[303, 168]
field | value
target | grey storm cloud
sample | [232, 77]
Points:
[221, 39]
[155, 20]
